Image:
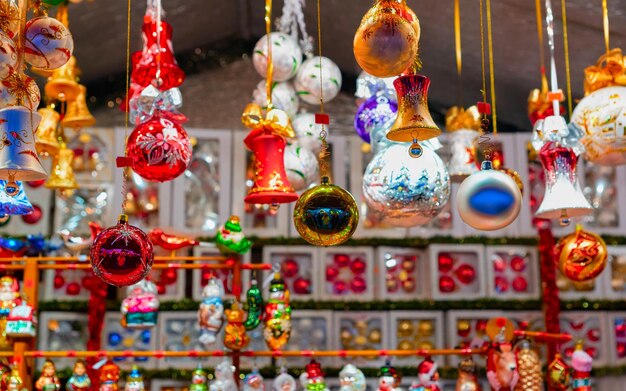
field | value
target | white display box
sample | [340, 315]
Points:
[590, 327]
[254, 220]
[345, 273]
[464, 257]
[508, 267]
[62, 331]
[202, 195]
[49, 292]
[118, 338]
[308, 268]
[351, 324]
[594, 289]
[226, 275]
[617, 338]
[614, 275]
[402, 265]
[310, 330]
[604, 188]
[426, 332]
[179, 331]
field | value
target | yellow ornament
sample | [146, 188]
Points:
[463, 326]
[425, 328]
[425, 345]
[405, 345]
[405, 328]
[582, 255]
[375, 336]
[235, 336]
[529, 368]
[326, 215]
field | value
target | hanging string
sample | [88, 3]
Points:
[542, 54]
[605, 22]
[568, 78]
[292, 21]
[457, 46]
[158, 41]
[492, 75]
[553, 77]
[484, 139]
[270, 65]
[324, 153]
[127, 114]
[21, 42]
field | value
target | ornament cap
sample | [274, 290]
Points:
[123, 219]
[486, 165]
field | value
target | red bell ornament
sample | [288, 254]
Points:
[160, 149]
[122, 255]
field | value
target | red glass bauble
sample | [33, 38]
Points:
[339, 287]
[502, 285]
[34, 216]
[408, 264]
[289, 268]
[302, 286]
[520, 284]
[593, 335]
[621, 350]
[358, 284]
[72, 289]
[518, 263]
[445, 262]
[358, 266]
[620, 330]
[481, 325]
[36, 184]
[499, 265]
[160, 289]
[569, 352]
[59, 281]
[331, 273]
[169, 276]
[160, 149]
[465, 273]
[206, 276]
[122, 255]
[593, 352]
[342, 260]
[86, 281]
[446, 284]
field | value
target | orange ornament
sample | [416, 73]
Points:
[582, 255]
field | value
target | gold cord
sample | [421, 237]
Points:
[492, 75]
[324, 153]
[542, 55]
[127, 115]
[605, 22]
[568, 78]
[270, 64]
[457, 46]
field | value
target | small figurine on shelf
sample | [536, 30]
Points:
[48, 381]
[79, 381]
[277, 315]
[140, 308]
[581, 368]
[312, 379]
[134, 380]
[427, 376]
[235, 336]
[5, 373]
[254, 306]
[109, 376]
[502, 370]
[467, 380]
[9, 295]
[224, 377]
[211, 312]
[15, 382]
[351, 378]
[22, 321]
[284, 381]
[389, 379]
[253, 381]
[230, 238]
[199, 380]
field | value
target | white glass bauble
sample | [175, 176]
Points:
[286, 56]
[301, 166]
[307, 81]
[284, 97]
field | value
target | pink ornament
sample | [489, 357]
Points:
[49, 44]
[465, 273]
[331, 273]
[289, 268]
[445, 262]
[518, 263]
[520, 284]
[358, 284]
[342, 260]
[446, 284]
[358, 266]
[302, 286]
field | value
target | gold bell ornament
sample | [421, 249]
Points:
[77, 115]
[47, 135]
[62, 176]
[62, 83]
[18, 158]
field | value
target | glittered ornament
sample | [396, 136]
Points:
[284, 97]
[254, 307]
[489, 199]
[134, 380]
[582, 255]
[286, 56]
[235, 336]
[8, 55]
[17, 89]
[121, 255]
[406, 192]
[79, 381]
[308, 84]
[211, 311]
[301, 166]
[230, 238]
[582, 363]
[9, 18]
[160, 149]
[326, 215]
[253, 381]
[558, 377]
[386, 42]
[49, 44]
[284, 382]
[308, 132]
[529, 368]
[377, 113]
[277, 315]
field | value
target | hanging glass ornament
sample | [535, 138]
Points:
[18, 157]
[254, 307]
[308, 132]
[284, 97]
[253, 381]
[8, 54]
[17, 89]
[134, 380]
[582, 255]
[406, 192]
[351, 378]
[122, 255]
[62, 85]
[77, 115]
[301, 166]
[286, 56]
[284, 382]
[529, 367]
[463, 128]
[377, 113]
[307, 82]
[9, 18]
[79, 381]
[558, 377]
[386, 42]
[140, 307]
[235, 336]
[582, 363]
[211, 311]
[47, 135]
[199, 380]
[467, 379]
[13, 200]
[62, 174]
[277, 327]
[368, 86]
[48, 380]
[49, 44]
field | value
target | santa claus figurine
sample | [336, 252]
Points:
[581, 365]
[427, 375]
[211, 312]
[9, 295]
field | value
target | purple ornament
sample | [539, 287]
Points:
[377, 113]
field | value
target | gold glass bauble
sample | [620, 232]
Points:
[425, 328]
[374, 336]
[405, 328]
[386, 42]
[582, 255]
[405, 345]
[326, 215]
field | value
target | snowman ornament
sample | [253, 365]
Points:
[211, 312]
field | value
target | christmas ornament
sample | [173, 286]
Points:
[368, 86]
[582, 255]
[582, 363]
[48, 381]
[5, 373]
[308, 84]
[109, 376]
[134, 380]
[14, 382]
[21, 322]
[386, 42]
[406, 192]
[286, 56]
[326, 215]
[467, 380]
[307, 131]
[284, 97]
[121, 255]
[529, 367]
[18, 158]
[34, 216]
[254, 307]
[414, 122]
[235, 337]
[62, 174]
[301, 166]
[13, 200]
[284, 382]
[463, 128]
[502, 371]
[558, 377]
[160, 149]
[377, 113]
[8, 54]
[489, 199]
[277, 327]
[224, 377]
[351, 378]
[230, 238]
[9, 18]
[62, 85]
[253, 381]
[47, 135]
[17, 89]
[389, 379]
[211, 311]
[9, 295]
[49, 44]
[313, 377]
[427, 375]
[140, 307]
[267, 142]
[77, 115]
[198, 380]
[170, 242]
